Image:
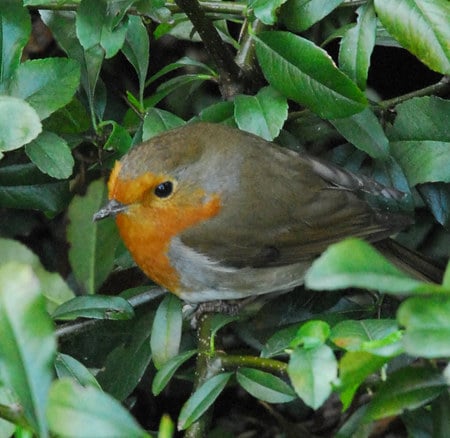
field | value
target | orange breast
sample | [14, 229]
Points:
[148, 230]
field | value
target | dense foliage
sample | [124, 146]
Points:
[88, 347]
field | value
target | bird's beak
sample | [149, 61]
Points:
[110, 209]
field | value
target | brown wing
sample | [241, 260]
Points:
[290, 209]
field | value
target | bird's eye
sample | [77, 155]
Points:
[164, 189]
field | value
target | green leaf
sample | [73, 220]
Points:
[220, 112]
[137, 49]
[50, 198]
[306, 74]
[166, 331]
[265, 386]
[96, 27]
[67, 366]
[420, 139]
[27, 343]
[263, 114]
[19, 123]
[126, 364]
[265, 10]
[299, 15]
[92, 244]
[357, 45]
[96, 307]
[279, 342]
[167, 371]
[119, 140]
[53, 287]
[46, 84]
[427, 326]
[51, 154]
[421, 26]
[360, 335]
[63, 27]
[407, 388]
[72, 119]
[365, 132]
[354, 368]
[312, 373]
[157, 121]
[15, 30]
[202, 399]
[7, 403]
[79, 412]
[311, 334]
[354, 263]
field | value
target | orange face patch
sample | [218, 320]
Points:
[149, 224]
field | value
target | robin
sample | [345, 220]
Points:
[213, 213]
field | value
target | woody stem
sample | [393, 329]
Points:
[229, 72]
[202, 372]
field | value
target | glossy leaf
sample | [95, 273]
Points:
[63, 27]
[357, 45]
[119, 140]
[312, 373]
[97, 307]
[27, 343]
[51, 154]
[127, 363]
[67, 366]
[137, 49]
[365, 132]
[53, 287]
[354, 368]
[46, 84]
[263, 114]
[407, 388]
[15, 29]
[19, 123]
[420, 139]
[421, 26]
[265, 386]
[202, 399]
[50, 198]
[311, 334]
[427, 326]
[167, 371]
[78, 412]
[306, 74]
[265, 10]
[365, 335]
[354, 263]
[166, 332]
[93, 244]
[157, 121]
[299, 15]
[95, 27]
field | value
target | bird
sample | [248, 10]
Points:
[210, 212]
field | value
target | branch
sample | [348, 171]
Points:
[439, 89]
[232, 362]
[202, 372]
[229, 72]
